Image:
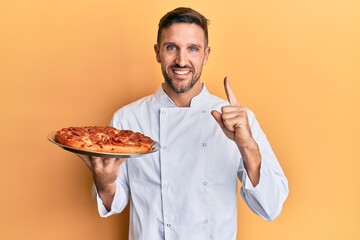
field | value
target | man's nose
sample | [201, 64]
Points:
[181, 58]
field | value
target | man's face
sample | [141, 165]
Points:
[182, 54]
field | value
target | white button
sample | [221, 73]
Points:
[163, 112]
[168, 225]
[165, 186]
[204, 144]
[203, 111]
[164, 147]
[206, 221]
[205, 182]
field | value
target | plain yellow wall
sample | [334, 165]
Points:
[296, 64]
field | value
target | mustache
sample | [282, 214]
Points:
[178, 66]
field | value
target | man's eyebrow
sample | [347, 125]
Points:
[189, 45]
[169, 43]
[196, 45]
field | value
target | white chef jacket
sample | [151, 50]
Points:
[188, 189]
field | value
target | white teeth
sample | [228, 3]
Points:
[182, 72]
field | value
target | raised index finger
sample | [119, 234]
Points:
[229, 93]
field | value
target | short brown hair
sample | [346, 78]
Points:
[183, 15]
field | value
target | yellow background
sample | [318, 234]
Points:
[296, 64]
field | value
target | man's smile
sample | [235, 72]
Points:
[181, 72]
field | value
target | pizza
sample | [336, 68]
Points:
[104, 139]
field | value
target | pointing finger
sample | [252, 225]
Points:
[229, 93]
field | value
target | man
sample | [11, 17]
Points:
[188, 190]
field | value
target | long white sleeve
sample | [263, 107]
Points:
[267, 198]
[121, 196]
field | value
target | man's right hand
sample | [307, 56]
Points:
[105, 172]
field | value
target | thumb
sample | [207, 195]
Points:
[119, 161]
[218, 118]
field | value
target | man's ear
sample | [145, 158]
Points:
[207, 53]
[157, 52]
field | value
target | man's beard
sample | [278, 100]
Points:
[181, 89]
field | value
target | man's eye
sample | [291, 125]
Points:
[193, 49]
[170, 48]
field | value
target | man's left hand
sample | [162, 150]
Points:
[234, 121]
